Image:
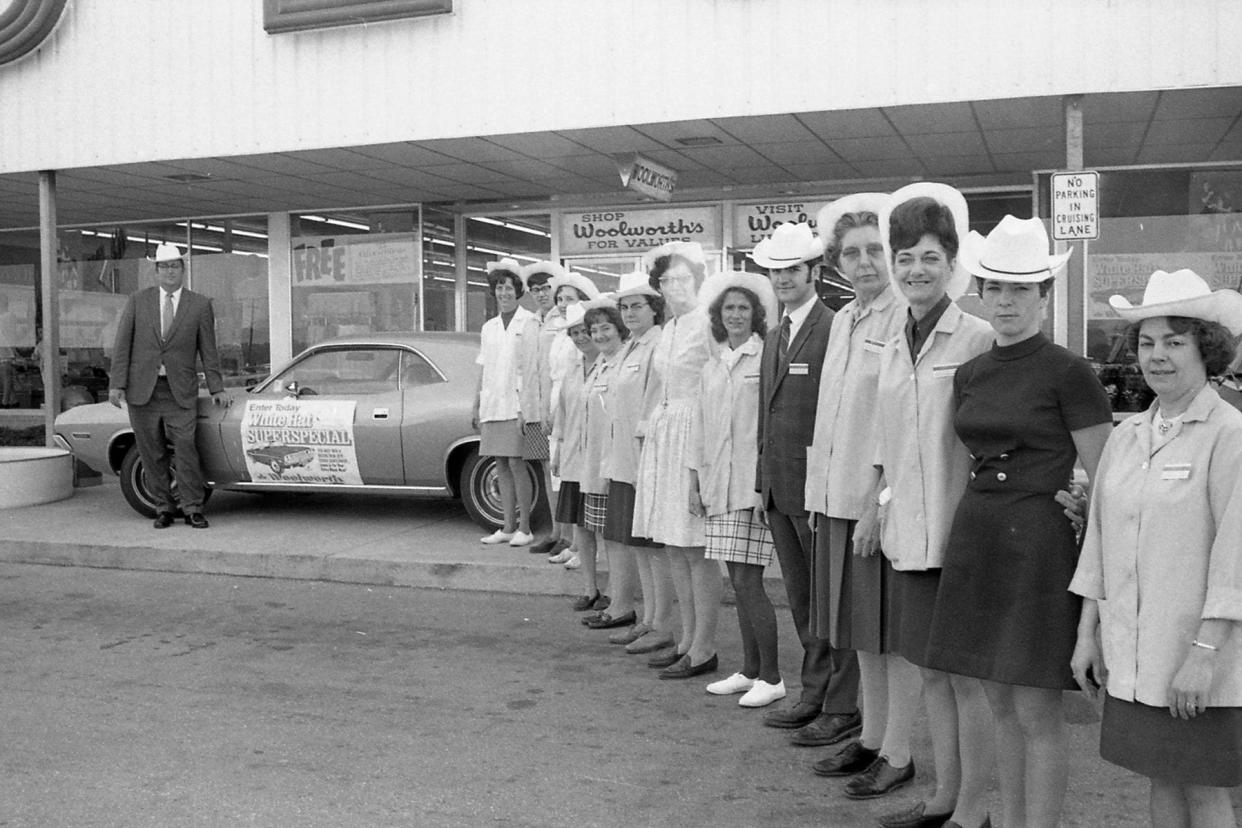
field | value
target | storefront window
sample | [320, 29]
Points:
[355, 273]
[525, 238]
[1153, 220]
[439, 270]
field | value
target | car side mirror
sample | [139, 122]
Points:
[292, 388]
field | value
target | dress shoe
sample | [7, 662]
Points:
[562, 557]
[521, 539]
[684, 669]
[800, 714]
[196, 520]
[663, 660]
[590, 616]
[736, 683]
[762, 694]
[879, 779]
[649, 642]
[828, 729]
[628, 634]
[499, 536]
[850, 760]
[573, 563]
[915, 816]
[987, 823]
[163, 520]
[586, 602]
[544, 547]
[607, 621]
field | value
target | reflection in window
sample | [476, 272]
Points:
[346, 371]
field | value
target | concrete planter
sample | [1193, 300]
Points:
[32, 475]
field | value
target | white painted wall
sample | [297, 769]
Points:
[133, 80]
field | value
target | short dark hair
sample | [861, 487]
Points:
[660, 265]
[538, 278]
[656, 303]
[1045, 287]
[606, 314]
[557, 294]
[758, 316]
[497, 276]
[912, 220]
[846, 223]
[1216, 345]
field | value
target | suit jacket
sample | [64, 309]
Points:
[140, 350]
[788, 396]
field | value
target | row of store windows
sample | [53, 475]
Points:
[361, 272]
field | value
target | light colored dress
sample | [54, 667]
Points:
[662, 491]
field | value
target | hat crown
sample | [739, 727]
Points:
[167, 252]
[1164, 287]
[1016, 246]
[790, 241]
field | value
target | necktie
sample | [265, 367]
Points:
[167, 320]
[786, 324]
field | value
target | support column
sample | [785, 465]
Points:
[460, 274]
[1073, 330]
[51, 305]
[279, 289]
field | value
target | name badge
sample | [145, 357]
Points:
[599, 387]
[799, 369]
[945, 371]
[750, 377]
[633, 367]
[873, 346]
[1175, 471]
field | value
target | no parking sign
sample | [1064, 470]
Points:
[1075, 205]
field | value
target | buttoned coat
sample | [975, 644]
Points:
[140, 350]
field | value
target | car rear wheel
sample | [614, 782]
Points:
[480, 489]
[134, 484]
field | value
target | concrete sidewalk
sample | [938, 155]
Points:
[384, 540]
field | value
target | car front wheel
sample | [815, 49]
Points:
[134, 484]
[480, 489]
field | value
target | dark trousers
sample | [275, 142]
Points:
[829, 676]
[159, 422]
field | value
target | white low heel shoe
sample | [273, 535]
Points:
[762, 694]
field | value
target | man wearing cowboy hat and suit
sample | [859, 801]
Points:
[162, 334]
[793, 356]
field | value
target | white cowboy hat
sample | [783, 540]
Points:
[634, 284]
[553, 270]
[166, 252]
[789, 244]
[578, 282]
[828, 216]
[956, 203]
[1015, 251]
[574, 314]
[690, 251]
[756, 283]
[507, 265]
[605, 300]
[1183, 293]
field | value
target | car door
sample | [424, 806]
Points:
[333, 416]
[436, 415]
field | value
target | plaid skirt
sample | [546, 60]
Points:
[534, 442]
[737, 537]
[594, 511]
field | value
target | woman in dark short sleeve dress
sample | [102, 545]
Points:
[1026, 410]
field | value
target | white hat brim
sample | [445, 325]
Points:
[970, 251]
[1220, 306]
[760, 255]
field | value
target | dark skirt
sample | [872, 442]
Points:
[911, 604]
[534, 442]
[848, 593]
[569, 503]
[619, 523]
[1205, 750]
[1004, 611]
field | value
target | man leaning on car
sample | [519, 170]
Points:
[162, 334]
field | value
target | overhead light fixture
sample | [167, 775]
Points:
[699, 141]
[188, 178]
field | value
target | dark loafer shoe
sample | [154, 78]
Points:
[915, 816]
[879, 779]
[163, 520]
[850, 760]
[585, 602]
[799, 715]
[684, 669]
[665, 659]
[828, 729]
[196, 521]
[544, 547]
[606, 621]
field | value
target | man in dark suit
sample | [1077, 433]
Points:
[793, 356]
[162, 334]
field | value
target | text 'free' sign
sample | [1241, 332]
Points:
[1076, 205]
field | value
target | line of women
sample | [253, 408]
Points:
[947, 543]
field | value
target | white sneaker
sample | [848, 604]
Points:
[562, 557]
[499, 536]
[762, 694]
[573, 563]
[521, 539]
[736, 683]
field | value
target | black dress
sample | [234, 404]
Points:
[1003, 609]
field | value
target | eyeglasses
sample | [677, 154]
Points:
[540, 288]
[169, 266]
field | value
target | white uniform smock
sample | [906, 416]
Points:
[724, 439]
[500, 354]
[627, 389]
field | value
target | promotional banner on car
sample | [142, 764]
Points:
[300, 441]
